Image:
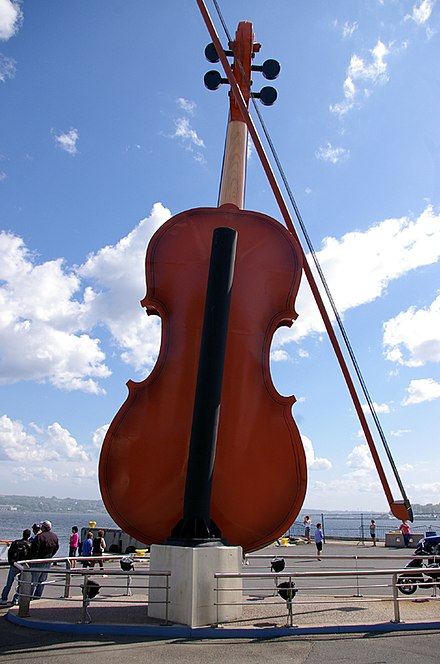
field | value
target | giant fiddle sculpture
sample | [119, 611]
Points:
[259, 475]
[256, 469]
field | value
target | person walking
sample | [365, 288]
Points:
[406, 532]
[319, 540]
[20, 549]
[99, 546]
[373, 531]
[73, 546]
[86, 549]
[307, 526]
[45, 545]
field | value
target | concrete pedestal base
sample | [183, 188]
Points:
[396, 539]
[192, 594]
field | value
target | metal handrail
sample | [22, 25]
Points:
[337, 574]
[27, 568]
[359, 576]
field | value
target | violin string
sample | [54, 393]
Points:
[322, 277]
[222, 21]
[223, 164]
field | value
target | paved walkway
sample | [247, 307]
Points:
[330, 617]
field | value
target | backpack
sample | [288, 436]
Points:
[20, 550]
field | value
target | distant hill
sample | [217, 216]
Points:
[53, 504]
[426, 509]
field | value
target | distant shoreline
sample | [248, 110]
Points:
[17, 503]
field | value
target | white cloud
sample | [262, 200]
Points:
[349, 28]
[400, 432]
[29, 474]
[360, 458]
[361, 75]
[332, 154]
[7, 67]
[42, 338]
[54, 443]
[379, 408]
[48, 338]
[349, 490]
[420, 390]
[65, 445]
[424, 493]
[359, 266]
[421, 12]
[32, 455]
[313, 462]
[187, 105]
[37, 477]
[186, 133]
[117, 277]
[279, 355]
[99, 435]
[250, 150]
[412, 338]
[11, 18]
[68, 141]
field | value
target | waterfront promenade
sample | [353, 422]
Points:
[18, 643]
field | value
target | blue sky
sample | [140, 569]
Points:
[107, 129]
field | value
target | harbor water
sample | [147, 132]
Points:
[344, 525]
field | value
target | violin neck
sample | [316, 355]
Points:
[234, 165]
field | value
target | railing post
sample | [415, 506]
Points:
[67, 582]
[396, 601]
[24, 593]
[217, 601]
[358, 594]
[85, 602]
[290, 596]
[362, 530]
[167, 589]
[128, 586]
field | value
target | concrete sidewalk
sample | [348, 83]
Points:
[336, 610]
[19, 644]
[262, 618]
[371, 644]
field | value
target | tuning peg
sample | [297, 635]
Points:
[270, 69]
[213, 80]
[267, 95]
[211, 53]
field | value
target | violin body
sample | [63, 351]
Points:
[259, 479]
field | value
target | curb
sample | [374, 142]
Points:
[199, 633]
